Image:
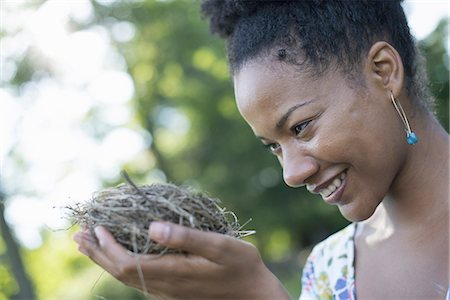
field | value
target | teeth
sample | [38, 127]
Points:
[333, 186]
[325, 192]
[337, 182]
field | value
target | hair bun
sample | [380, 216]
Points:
[223, 15]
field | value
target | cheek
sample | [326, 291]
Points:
[373, 157]
[334, 138]
[362, 141]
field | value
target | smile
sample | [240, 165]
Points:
[332, 191]
[333, 186]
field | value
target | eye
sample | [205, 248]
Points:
[297, 129]
[273, 147]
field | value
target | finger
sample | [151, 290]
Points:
[95, 250]
[177, 266]
[78, 238]
[122, 264]
[117, 260]
[86, 234]
[85, 240]
[213, 246]
[110, 247]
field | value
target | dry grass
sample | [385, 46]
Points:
[127, 210]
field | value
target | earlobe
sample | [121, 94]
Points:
[386, 67]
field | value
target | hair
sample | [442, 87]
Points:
[317, 34]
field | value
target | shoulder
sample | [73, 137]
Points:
[329, 268]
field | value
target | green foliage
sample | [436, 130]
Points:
[8, 285]
[184, 100]
[178, 66]
[92, 283]
[56, 259]
[437, 57]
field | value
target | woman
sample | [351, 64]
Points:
[334, 90]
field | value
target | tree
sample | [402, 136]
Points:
[25, 288]
[184, 101]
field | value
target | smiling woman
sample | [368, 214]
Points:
[334, 90]
[306, 124]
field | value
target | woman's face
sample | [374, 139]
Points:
[342, 141]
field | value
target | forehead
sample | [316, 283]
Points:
[271, 84]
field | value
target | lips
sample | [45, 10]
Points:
[329, 187]
[333, 186]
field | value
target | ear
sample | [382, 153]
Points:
[386, 67]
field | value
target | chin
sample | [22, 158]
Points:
[354, 213]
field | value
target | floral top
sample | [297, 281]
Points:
[329, 271]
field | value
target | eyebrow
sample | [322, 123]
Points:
[285, 117]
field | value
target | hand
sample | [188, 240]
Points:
[217, 266]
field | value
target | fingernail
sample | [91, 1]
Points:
[97, 231]
[159, 231]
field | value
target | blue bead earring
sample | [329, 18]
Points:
[411, 137]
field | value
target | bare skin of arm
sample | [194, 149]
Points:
[217, 266]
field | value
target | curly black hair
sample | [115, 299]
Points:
[315, 34]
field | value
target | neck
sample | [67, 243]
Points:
[420, 192]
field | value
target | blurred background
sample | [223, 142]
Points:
[92, 87]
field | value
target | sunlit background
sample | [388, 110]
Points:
[89, 88]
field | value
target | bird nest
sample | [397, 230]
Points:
[127, 210]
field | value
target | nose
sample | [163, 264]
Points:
[297, 168]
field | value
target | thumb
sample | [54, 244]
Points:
[213, 246]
